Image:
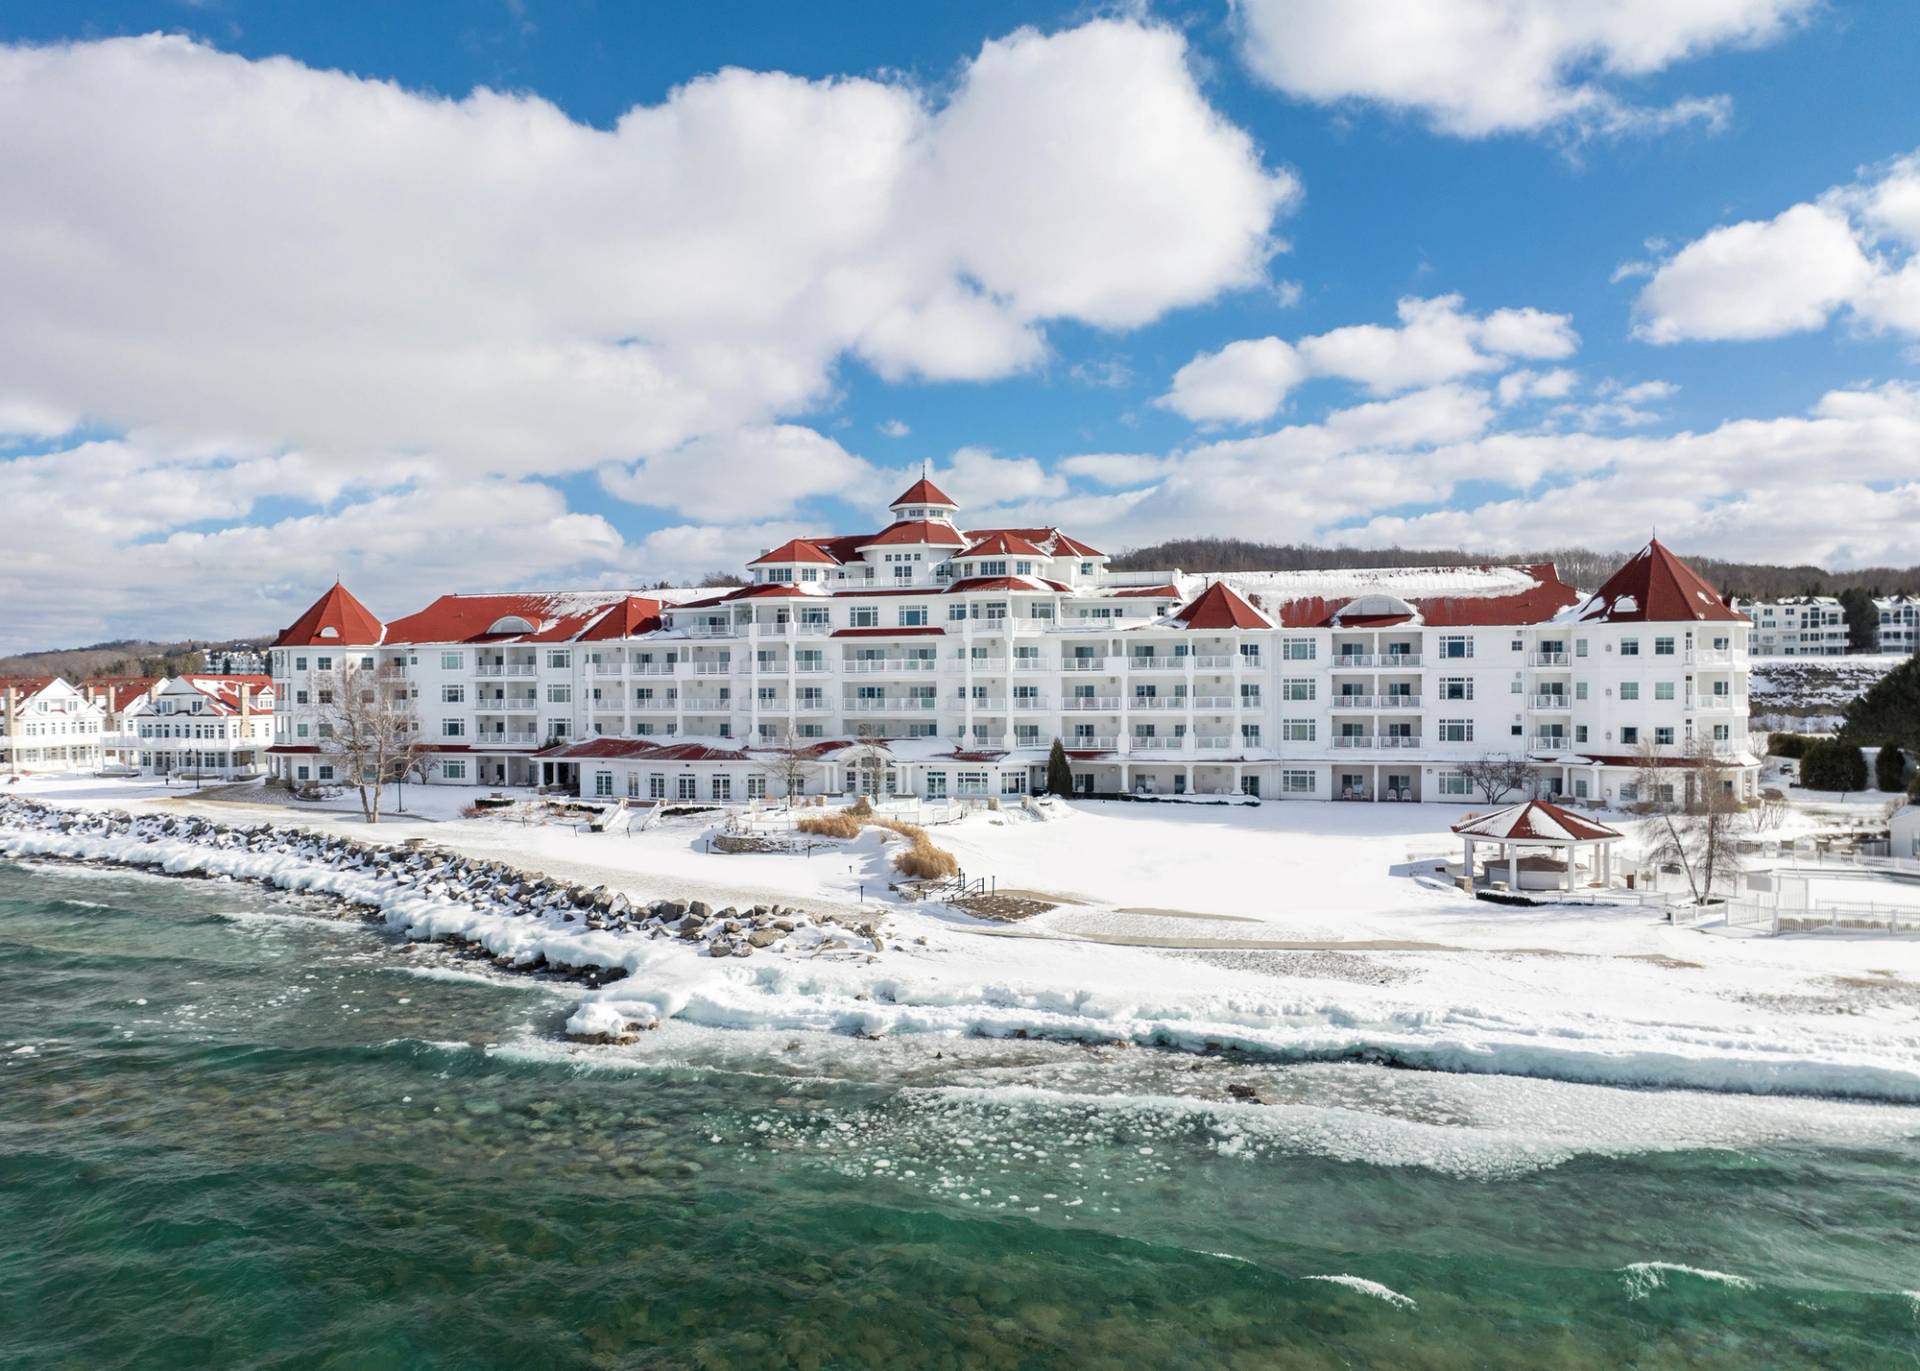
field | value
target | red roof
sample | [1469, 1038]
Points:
[122, 691]
[1657, 587]
[224, 691]
[795, 550]
[551, 617]
[972, 583]
[1155, 592]
[1004, 544]
[924, 492]
[336, 619]
[633, 616]
[935, 532]
[1535, 819]
[1220, 606]
[27, 685]
[915, 632]
[1541, 601]
[1056, 543]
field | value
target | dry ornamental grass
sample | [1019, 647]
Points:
[920, 859]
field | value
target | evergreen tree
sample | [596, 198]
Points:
[1863, 618]
[1890, 769]
[1834, 764]
[1059, 770]
[1890, 711]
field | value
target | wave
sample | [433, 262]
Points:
[1643, 1278]
[1367, 1287]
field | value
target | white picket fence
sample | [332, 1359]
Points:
[1834, 916]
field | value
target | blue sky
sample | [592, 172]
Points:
[292, 300]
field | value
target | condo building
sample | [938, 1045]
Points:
[1798, 626]
[939, 661]
[46, 725]
[205, 727]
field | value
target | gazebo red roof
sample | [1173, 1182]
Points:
[1535, 821]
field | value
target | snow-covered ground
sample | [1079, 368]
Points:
[1299, 931]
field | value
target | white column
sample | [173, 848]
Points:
[1513, 867]
[1573, 856]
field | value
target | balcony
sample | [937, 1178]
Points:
[1400, 661]
[713, 630]
[1157, 702]
[606, 668]
[811, 707]
[1212, 663]
[1549, 742]
[1715, 656]
[1354, 661]
[892, 704]
[506, 669]
[1547, 659]
[1137, 662]
[1715, 704]
[1214, 743]
[887, 666]
[520, 706]
[1035, 664]
[1556, 704]
[1029, 704]
[709, 668]
[810, 668]
[1351, 703]
[1354, 740]
[1398, 701]
[1401, 740]
[1090, 704]
[651, 668]
[1156, 742]
[1083, 664]
[513, 737]
[656, 705]
[983, 704]
[1092, 743]
[1213, 702]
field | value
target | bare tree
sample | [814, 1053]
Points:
[871, 762]
[1498, 776]
[1694, 832]
[368, 729]
[786, 763]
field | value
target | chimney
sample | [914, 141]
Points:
[246, 700]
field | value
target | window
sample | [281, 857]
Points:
[558, 694]
[449, 661]
[453, 694]
[1629, 647]
[1297, 649]
[1579, 733]
[720, 786]
[1663, 647]
[1663, 690]
[559, 659]
[453, 728]
[1455, 783]
[1296, 783]
[603, 784]
[1296, 689]
[559, 728]
[1629, 690]
[1250, 734]
[957, 611]
[1456, 730]
[1579, 690]
[1629, 792]
[1456, 687]
[756, 787]
[1630, 735]
[1663, 736]
[326, 772]
[684, 788]
[656, 787]
[1519, 645]
[913, 616]
[1579, 647]
[1297, 730]
[326, 663]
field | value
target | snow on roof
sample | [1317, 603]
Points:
[1654, 586]
[794, 550]
[1219, 606]
[1538, 821]
[553, 616]
[1440, 597]
[336, 619]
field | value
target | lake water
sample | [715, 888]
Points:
[238, 1132]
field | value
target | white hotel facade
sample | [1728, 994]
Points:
[964, 654]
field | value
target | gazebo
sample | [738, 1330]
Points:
[1545, 828]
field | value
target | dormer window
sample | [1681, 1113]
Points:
[510, 623]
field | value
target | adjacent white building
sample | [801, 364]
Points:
[46, 725]
[205, 727]
[1898, 629]
[117, 695]
[1798, 626]
[943, 662]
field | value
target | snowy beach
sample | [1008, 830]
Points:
[1284, 933]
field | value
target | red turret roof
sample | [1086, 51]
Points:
[933, 532]
[1657, 587]
[924, 492]
[1220, 606]
[633, 616]
[336, 619]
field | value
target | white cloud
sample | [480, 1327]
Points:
[207, 248]
[1480, 67]
[1115, 468]
[1241, 383]
[1436, 341]
[893, 428]
[1758, 279]
[749, 473]
[1852, 250]
[1527, 384]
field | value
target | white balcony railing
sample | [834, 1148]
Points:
[1549, 742]
[1157, 702]
[1557, 704]
[889, 666]
[1398, 740]
[1350, 703]
[1083, 664]
[652, 668]
[1398, 701]
[505, 669]
[1140, 662]
[1028, 704]
[1214, 743]
[513, 737]
[1353, 741]
[657, 704]
[1090, 704]
[1035, 664]
[1213, 702]
[1213, 663]
[1100, 742]
[1548, 659]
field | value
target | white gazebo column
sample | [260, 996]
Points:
[1466, 868]
[1513, 866]
[1573, 857]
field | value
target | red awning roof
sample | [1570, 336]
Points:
[1535, 821]
[924, 492]
[910, 532]
[1657, 587]
[1219, 606]
[795, 550]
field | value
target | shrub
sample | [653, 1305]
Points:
[1833, 765]
[840, 824]
[920, 859]
[1059, 770]
[1890, 769]
[861, 808]
[1793, 745]
[471, 811]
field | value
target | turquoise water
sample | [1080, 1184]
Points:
[235, 1132]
